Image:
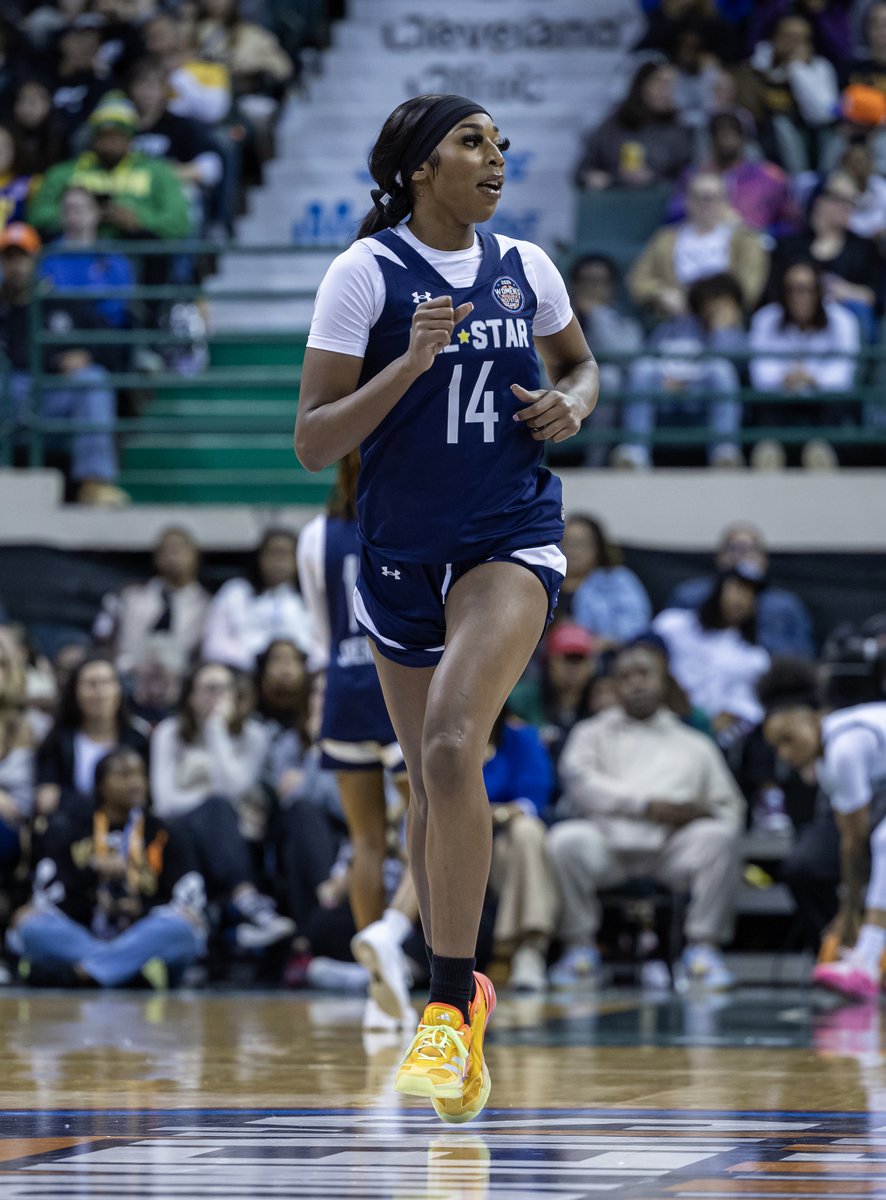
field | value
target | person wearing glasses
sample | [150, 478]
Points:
[788, 340]
[711, 240]
[851, 266]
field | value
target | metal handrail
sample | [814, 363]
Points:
[212, 380]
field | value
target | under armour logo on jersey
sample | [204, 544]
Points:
[391, 574]
[420, 297]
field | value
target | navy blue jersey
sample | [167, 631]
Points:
[448, 475]
[353, 709]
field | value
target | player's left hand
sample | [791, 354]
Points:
[551, 416]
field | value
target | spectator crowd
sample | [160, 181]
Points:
[124, 121]
[754, 137]
[165, 810]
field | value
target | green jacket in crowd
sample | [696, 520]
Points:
[147, 186]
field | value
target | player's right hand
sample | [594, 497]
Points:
[432, 326]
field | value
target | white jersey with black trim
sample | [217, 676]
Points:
[852, 769]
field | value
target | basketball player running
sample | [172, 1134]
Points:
[359, 745]
[847, 751]
[422, 352]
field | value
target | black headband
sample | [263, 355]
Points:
[432, 129]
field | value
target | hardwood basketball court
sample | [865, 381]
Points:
[760, 1093]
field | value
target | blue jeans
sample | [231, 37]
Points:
[717, 377]
[50, 938]
[93, 455]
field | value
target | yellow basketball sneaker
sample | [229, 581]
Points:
[477, 1084]
[436, 1062]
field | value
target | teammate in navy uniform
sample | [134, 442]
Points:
[358, 743]
[422, 352]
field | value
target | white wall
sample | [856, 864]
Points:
[665, 509]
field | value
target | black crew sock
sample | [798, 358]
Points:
[452, 982]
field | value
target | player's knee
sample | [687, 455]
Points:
[449, 757]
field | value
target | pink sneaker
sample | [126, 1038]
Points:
[848, 978]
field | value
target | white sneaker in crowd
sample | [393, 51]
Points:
[630, 458]
[528, 970]
[376, 1020]
[702, 966]
[819, 455]
[580, 965]
[655, 976]
[262, 924]
[378, 951]
[333, 975]
[768, 455]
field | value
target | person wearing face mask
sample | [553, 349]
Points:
[715, 655]
[784, 625]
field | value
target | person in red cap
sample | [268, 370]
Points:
[562, 694]
[93, 466]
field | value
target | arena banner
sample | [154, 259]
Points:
[548, 72]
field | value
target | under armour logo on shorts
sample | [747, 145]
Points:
[391, 574]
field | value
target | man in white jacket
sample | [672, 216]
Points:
[652, 798]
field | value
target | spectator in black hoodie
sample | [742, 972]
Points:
[115, 893]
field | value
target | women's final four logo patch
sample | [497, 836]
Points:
[508, 294]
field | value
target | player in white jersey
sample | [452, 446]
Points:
[438, 383]
[846, 750]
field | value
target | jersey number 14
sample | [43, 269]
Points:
[480, 409]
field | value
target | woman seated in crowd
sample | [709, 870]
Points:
[851, 266]
[246, 615]
[92, 719]
[599, 591]
[642, 142]
[714, 654]
[206, 763]
[309, 825]
[116, 894]
[816, 342]
[691, 377]
[711, 240]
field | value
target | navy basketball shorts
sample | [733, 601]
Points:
[400, 605]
